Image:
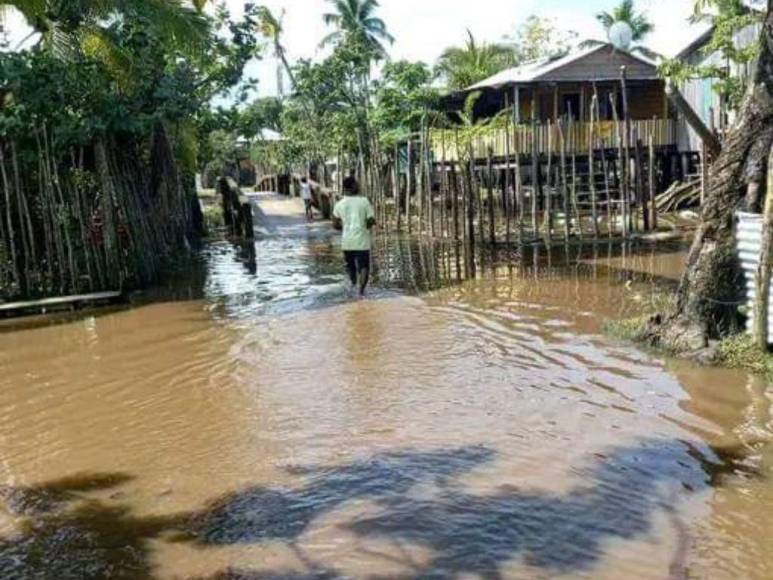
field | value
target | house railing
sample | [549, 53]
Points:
[548, 138]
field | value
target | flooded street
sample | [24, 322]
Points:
[251, 421]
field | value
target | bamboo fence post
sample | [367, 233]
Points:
[506, 182]
[420, 177]
[443, 187]
[9, 220]
[652, 185]
[592, 168]
[575, 200]
[609, 213]
[517, 178]
[409, 186]
[621, 168]
[457, 187]
[626, 149]
[534, 169]
[430, 183]
[642, 193]
[491, 224]
[564, 182]
[548, 219]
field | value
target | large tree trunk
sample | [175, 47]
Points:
[712, 285]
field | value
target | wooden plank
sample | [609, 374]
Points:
[59, 301]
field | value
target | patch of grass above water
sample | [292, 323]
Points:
[734, 352]
[635, 328]
[740, 352]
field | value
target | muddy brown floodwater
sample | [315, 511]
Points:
[252, 422]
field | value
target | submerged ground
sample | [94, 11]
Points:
[253, 422]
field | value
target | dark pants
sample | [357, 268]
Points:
[358, 267]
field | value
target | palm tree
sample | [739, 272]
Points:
[626, 12]
[641, 27]
[272, 29]
[465, 66]
[70, 26]
[357, 17]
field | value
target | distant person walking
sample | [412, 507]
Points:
[355, 216]
[306, 197]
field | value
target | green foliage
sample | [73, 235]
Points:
[740, 352]
[539, 38]
[728, 17]
[461, 67]
[356, 18]
[403, 97]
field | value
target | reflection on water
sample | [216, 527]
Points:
[251, 421]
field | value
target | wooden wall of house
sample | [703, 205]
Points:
[701, 93]
[601, 65]
[646, 100]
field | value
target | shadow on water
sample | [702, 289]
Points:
[79, 527]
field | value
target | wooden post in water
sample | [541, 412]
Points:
[653, 192]
[620, 166]
[575, 201]
[592, 168]
[642, 192]
[430, 182]
[518, 185]
[534, 168]
[491, 224]
[421, 184]
[409, 185]
[397, 188]
[564, 182]
[626, 152]
[548, 219]
[609, 213]
[507, 202]
[443, 186]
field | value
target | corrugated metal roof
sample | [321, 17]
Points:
[541, 70]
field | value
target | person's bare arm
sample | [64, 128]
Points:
[337, 223]
[370, 223]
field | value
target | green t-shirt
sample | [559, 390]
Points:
[354, 212]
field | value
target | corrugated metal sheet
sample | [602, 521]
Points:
[749, 242]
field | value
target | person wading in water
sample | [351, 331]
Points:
[306, 197]
[355, 216]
